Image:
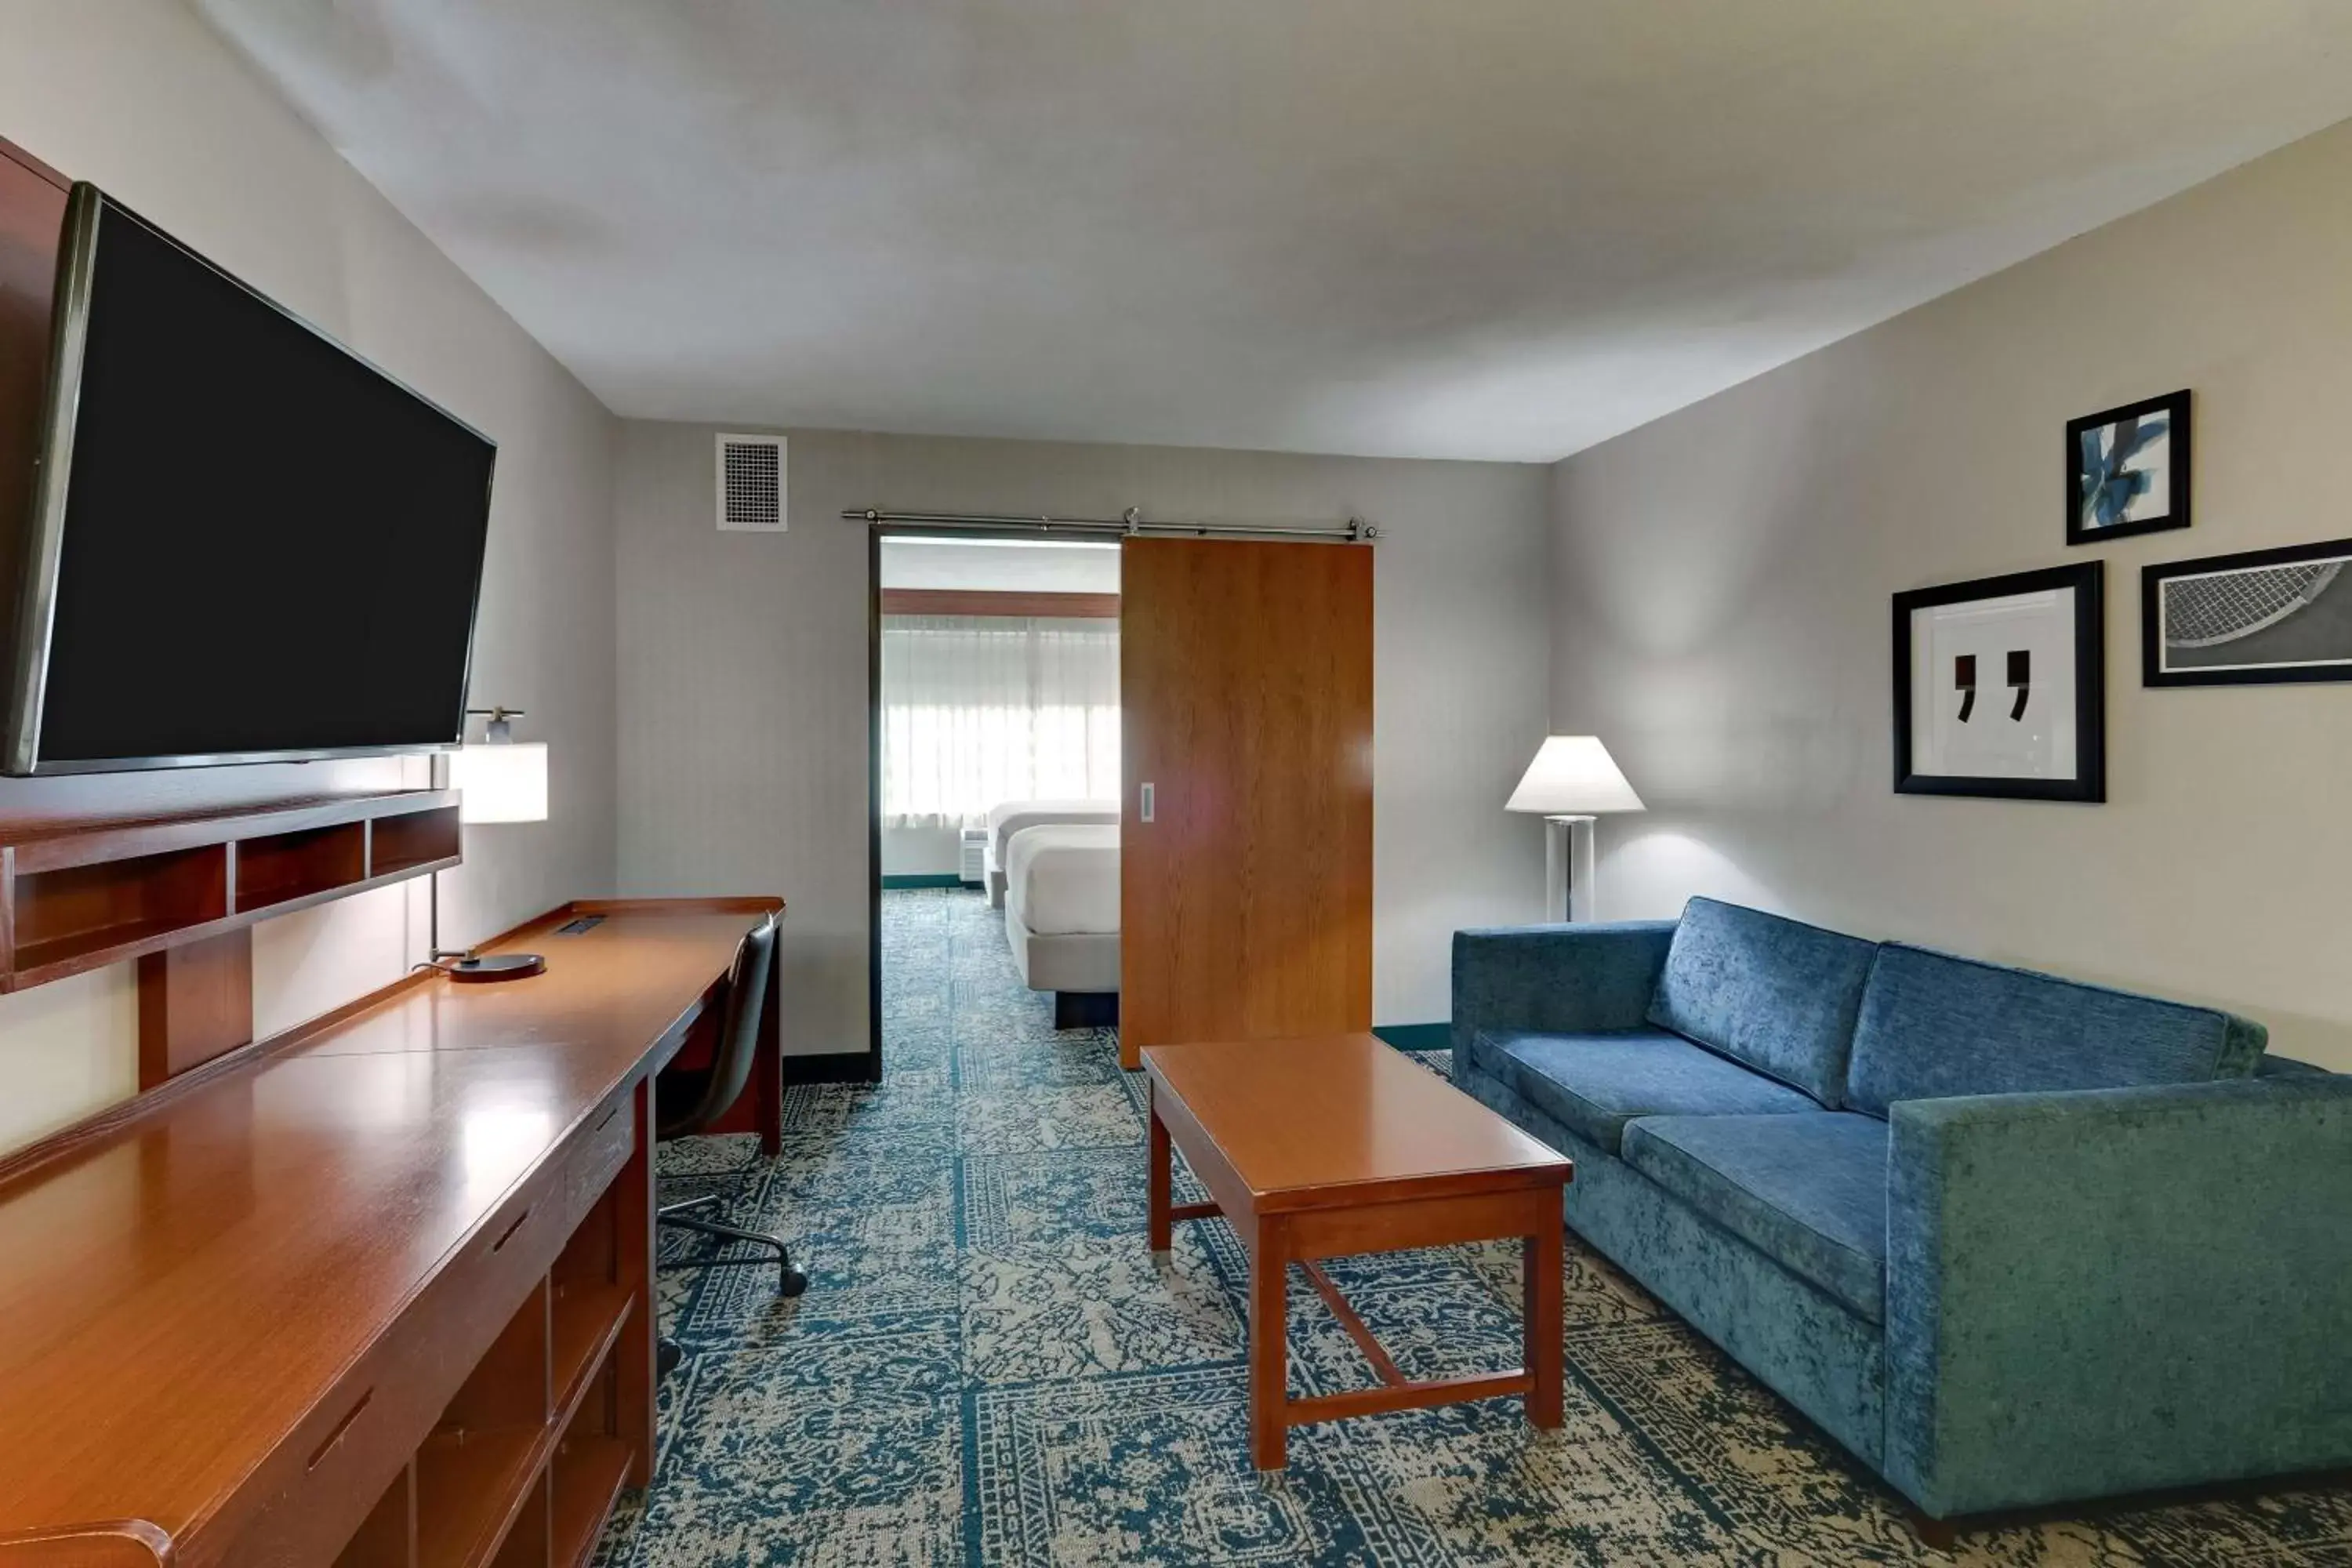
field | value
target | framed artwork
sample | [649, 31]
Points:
[2000, 687]
[2127, 470]
[2254, 619]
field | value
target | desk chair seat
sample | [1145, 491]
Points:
[688, 1100]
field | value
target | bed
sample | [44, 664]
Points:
[1061, 917]
[1013, 815]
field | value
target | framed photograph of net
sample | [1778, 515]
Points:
[2000, 687]
[2127, 470]
[2260, 618]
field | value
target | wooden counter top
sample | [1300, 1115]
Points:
[177, 1288]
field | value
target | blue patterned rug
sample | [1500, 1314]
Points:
[989, 1367]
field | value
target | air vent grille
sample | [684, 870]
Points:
[751, 484]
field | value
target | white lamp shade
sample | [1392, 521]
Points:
[1573, 776]
[502, 783]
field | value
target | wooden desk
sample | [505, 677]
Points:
[377, 1292]
[1334, 1145]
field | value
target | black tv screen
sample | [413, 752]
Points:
[246, 543]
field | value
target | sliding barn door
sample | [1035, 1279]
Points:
[1246, 691]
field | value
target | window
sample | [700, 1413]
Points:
[977, 710]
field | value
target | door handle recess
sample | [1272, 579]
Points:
[1148, 807]
[343, 1429]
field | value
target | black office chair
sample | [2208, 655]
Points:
[687, 1100]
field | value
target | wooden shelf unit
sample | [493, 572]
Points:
[79, 895]
[529, 1459]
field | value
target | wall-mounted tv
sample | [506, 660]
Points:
[245, 543]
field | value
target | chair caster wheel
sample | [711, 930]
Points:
[793, 1283]
[667, 1354]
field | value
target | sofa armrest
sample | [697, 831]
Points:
[2112, 1291]
[1559, 979]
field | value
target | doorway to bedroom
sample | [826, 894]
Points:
[996, 708]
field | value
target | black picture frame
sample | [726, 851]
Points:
[2089, 784]
[2153, 668]
[2173, 405]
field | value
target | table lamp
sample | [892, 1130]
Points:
[1572, 780]
[500, 780]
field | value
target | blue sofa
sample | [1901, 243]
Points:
[2011, 1239]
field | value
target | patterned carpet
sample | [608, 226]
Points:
[989, 1366]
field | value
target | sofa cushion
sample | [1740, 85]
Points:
[1933, 1025]
[1808, 1191]
[1774, 994]
[1594, 1084]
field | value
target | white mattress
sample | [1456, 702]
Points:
[1012, 815]
[1062, 879]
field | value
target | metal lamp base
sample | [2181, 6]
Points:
[1568, 868]
[497, 966]
[465, 967]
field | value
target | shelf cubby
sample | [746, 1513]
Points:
[590, 1468]
[418, 841]
[472, 1486]
[526, 1542]
[277, 868]
[387, 1538]
[475, 1472]
[73, 913]
[527, 1461]
[588, 1320]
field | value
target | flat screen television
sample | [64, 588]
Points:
[245, 542]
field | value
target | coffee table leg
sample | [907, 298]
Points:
[1541, 1263]
[1269, 1368]
[1158, 1180]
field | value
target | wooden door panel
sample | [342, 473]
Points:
[1245, 680]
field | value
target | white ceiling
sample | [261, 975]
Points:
[1470, 228]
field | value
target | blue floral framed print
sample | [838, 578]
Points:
[2127, 470]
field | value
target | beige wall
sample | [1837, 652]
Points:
[1722, 580]
[142, 98]
[743, 677]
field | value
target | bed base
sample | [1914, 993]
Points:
[1085, 1009]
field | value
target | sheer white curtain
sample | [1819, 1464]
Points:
[977, 710]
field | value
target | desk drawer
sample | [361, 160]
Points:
[319, 1486]
[598, 1154]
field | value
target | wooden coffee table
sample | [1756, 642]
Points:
[1326, 1147]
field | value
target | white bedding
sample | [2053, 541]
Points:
[1012, 815]
[1062, 879]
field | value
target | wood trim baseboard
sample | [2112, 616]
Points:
[998, 601]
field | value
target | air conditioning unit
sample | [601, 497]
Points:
[972, 865]
[751, 484]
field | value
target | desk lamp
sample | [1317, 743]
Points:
[501, 780]
[1572, 780]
